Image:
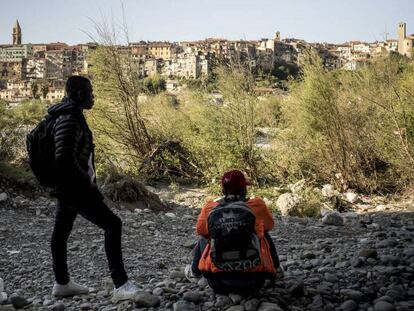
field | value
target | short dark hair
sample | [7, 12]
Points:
[242, 192]
[76, 83]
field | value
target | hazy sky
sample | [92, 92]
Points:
[176, 20]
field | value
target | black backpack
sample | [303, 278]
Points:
[41, 150]
[235, 246]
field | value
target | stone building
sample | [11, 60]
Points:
[139, 50]
[218, 47]
[162, 50]
[391, 45]
[39, 48]
[152, 67]
[34, 68]
[405, 43]
[82, 62]
[11, 70]
[55, 94]
[188, 66]
[16, 91]
[13, 53]
[54, 64]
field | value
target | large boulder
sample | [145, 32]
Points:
[351, 197]
[333, 219]
[3, 297]
[147, 300]
[329, 191]
[3, 197]
[288, 203]
[18, 301]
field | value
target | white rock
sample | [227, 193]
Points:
[287, 203]
[333, 219]
[148, 223]
[365, 241]
[3, 297]
[351, 197]
[381, 208]
[3, 197]
[1, 285]
[170, 215]
[47, 302]
[329, 191]
[13, 252]
[158, 291]
[297, 187]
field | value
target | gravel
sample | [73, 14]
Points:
[364, 263]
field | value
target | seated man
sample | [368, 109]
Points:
[235, 252]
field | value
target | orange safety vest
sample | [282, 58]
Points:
[264, 222]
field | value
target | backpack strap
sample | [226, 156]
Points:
[230, 198]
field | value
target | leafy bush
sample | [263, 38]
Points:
[127, 139]
[14, 125]
[154, 85]
[351, 127]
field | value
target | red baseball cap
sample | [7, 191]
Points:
[234, 180]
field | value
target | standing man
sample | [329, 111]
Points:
[77, 193]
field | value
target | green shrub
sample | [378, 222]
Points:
[352, 125]
[14, 125]
[14, 172]
[353, 129]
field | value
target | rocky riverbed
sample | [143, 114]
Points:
[365, 261]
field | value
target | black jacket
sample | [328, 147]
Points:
[73, 147]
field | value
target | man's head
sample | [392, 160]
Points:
[234, 182]
[79, 89]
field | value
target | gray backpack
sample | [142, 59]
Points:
[234, 243]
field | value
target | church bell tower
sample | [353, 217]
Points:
[17, 34]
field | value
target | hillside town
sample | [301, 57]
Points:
[39, 70]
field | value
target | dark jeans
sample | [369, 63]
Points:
[225, 283]
[97, 212]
